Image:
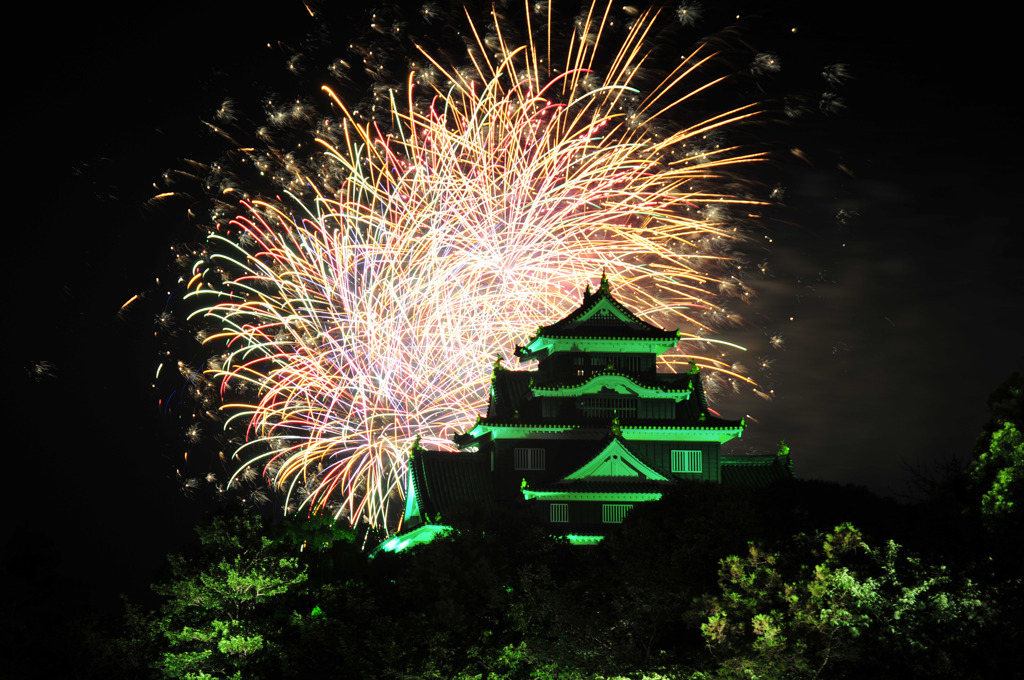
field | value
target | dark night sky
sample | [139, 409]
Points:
[904, 318]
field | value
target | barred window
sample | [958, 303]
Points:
[608, 407]
[529, 459]
[628, 363]
[687, 461]
[614, 513]
[657, 409]
[559, 512]
[605, 318]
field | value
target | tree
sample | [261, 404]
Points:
[858, 609]
[219, 617]
[997, 473]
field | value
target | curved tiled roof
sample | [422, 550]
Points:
[510, 391]
[512, 402]
[662, 381]
[445, 481]
[756, 470]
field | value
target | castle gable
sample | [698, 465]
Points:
[606, 315]
[615, 461]
[601, 315]
[600, 324]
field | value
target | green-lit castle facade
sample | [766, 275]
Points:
[580, 440]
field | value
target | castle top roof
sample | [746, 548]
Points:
[599, 317]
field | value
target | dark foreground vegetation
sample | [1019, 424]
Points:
[801, 580]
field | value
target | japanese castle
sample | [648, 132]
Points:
[580, 440]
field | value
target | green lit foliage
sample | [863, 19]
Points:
[318, 533]
[997, 473]
[221, 606]
[499, 599]
[850, 609]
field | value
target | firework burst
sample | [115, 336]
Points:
[361, 303]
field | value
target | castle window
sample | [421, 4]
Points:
[657, 409]
[686, 461]
[529, 459]
[614, 513]
[608, 407]
[559, 512]
[605, 318]
[627, 363]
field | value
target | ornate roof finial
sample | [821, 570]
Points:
[604, 280]
[694, 368]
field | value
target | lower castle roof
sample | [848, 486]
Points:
[445, 481]
[756, 470]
